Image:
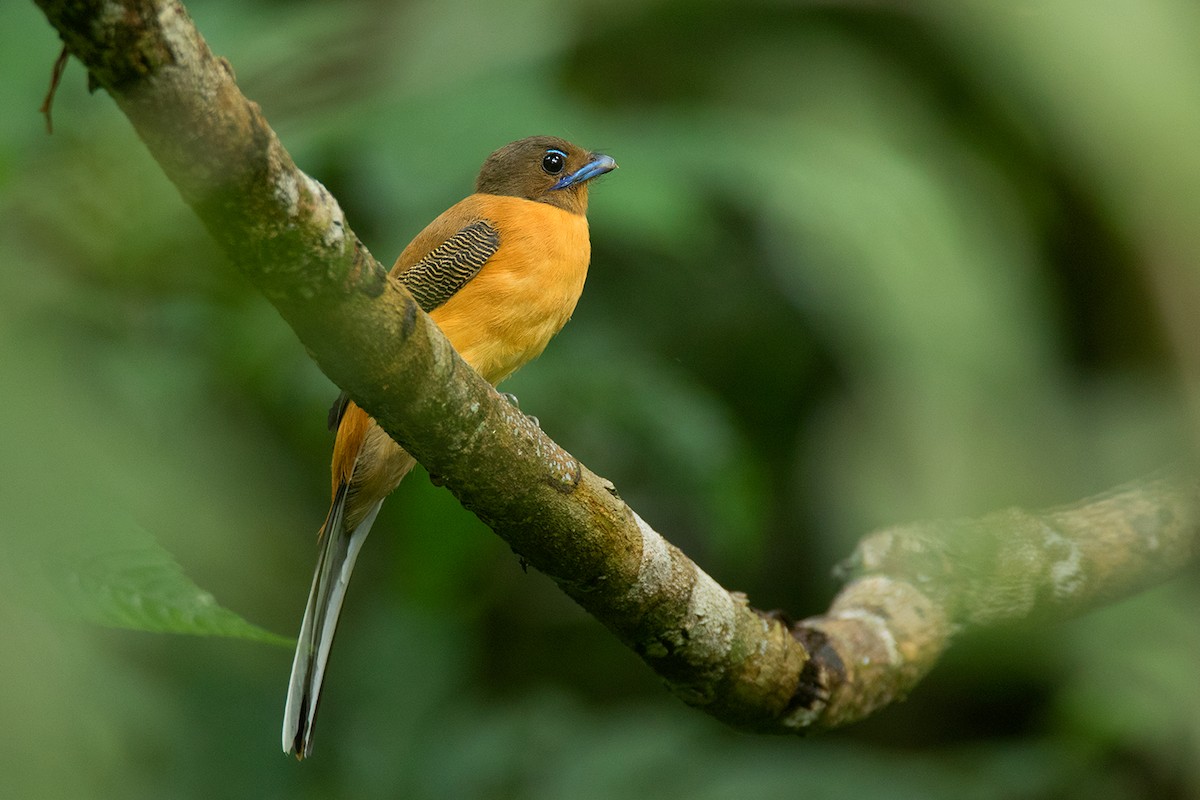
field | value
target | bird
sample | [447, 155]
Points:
[500, 272]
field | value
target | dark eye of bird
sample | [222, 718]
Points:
[554, 161]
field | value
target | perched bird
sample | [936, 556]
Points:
[499, 272]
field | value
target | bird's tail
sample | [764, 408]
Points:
[339, 550]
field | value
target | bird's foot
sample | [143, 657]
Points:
[512, 400]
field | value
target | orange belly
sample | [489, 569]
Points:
[507, 314]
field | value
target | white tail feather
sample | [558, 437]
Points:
[339, 551]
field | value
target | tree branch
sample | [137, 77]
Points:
[914, 586]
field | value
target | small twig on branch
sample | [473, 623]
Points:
[914, 586]
[56, 74]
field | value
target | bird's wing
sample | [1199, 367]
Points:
[446, 268]
[435, 277]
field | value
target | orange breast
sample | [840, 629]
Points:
[506, 315]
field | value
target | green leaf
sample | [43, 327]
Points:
[139, 586]
[78, 477]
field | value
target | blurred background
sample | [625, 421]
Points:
[863, 263]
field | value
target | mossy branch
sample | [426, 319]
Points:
[914, 586]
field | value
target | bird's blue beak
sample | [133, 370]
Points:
[599, 165]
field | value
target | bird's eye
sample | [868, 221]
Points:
[554, 161]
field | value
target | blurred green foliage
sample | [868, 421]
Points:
[863, 263]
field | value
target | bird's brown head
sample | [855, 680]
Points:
[545, 169]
